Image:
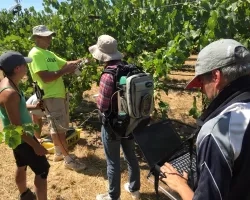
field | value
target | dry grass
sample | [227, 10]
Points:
[69, 185]
[66, 184]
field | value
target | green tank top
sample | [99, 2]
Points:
[25, 115]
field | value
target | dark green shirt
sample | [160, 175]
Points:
[25, 115]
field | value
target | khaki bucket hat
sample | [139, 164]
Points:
[105, 49]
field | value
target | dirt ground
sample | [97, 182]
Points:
[70, 185]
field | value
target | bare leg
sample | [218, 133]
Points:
[60, 141]
[20, 179]
[40, 188]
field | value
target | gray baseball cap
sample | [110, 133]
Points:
[42, 30]
[11, 59]
[218, 54]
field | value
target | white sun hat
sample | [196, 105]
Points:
[105, 49]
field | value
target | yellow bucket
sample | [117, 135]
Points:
[72, 137]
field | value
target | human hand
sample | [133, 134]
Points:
[86, 61]
[173, 179]
[79, 61]
[75, 61]
[70, 67]
[39, 105]
[40, 150]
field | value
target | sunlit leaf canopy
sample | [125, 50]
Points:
[157, 34]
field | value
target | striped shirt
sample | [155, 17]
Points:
[223, 162]
[106, 90]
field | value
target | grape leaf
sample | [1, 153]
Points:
[28, 127]
[14, 140]
[12, 134]
[19, 129]
[6, 135]
[9, 127]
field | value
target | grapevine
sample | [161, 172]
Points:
[12, 135]
[159, 35]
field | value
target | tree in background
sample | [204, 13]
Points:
[158, 34]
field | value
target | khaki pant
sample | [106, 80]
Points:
[57, 113]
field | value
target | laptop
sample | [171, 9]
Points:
[158, 142]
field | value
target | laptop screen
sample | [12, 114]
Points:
[157, 141]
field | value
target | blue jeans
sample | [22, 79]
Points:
[112, 152]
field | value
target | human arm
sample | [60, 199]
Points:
[36, 106]
[67, 68]
[214, 163]
[177, 181]
[74, 62]
[10, 99]
[49, 72]
[105, 92]
[48, 76]
[31, 107]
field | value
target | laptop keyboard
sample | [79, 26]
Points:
[182, 163]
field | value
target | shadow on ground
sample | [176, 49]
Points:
[86, 116]
[91, 143]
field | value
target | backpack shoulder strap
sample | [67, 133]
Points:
[113, 72]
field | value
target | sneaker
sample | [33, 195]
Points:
[76, 166]
[104, 197]
[28, 195]
[58, 157]
[135, 195]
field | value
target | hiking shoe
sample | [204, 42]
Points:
[28, 195]
[104, 197]
[58, 157]
[74, 165]
[135, 195]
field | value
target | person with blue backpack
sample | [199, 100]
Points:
[106, 51]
